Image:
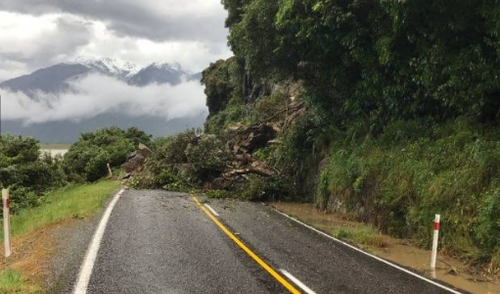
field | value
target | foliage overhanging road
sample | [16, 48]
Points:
[163, 242]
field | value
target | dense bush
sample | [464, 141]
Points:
[86, 160]
[224, 90]
[25, 172]
[399, 180]
[376, 59]
[261, 189]
[183, 161]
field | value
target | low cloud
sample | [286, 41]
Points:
[96, 94]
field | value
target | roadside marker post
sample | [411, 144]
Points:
[110, 171]
[435, 241]
[6, 222]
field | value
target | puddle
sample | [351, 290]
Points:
[449, 270]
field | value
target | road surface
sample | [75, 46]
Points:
[164, 242]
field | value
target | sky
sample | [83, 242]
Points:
[40, 33]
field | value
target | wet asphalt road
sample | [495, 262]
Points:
[162, 242]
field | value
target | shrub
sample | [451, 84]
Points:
[265, 189]
[25, 173]
[487, 226]
[184, 160]
[206, 158]
[86, 160]
[218, 194]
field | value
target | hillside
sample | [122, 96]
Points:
[350, 107]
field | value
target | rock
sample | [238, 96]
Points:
[134, 164]
[453, 271]
[144, 150]
[136, 160]
[131, 155]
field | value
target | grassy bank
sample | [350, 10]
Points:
[73, 201]
[400, 179]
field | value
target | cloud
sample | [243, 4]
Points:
[41, 33]
[38, 34]
[200, 20]
[96, 94]
[27, 42]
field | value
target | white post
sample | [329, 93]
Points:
[435, 241]
[110, 171]
[6, 222]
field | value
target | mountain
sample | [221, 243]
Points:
[57, 80]
[108, 66]
[158, 73]
[53, 79]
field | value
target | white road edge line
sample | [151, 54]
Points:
[297, 282]
[369, 254]
[90, 258]
[211, 210]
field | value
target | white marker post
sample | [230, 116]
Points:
[435, 241]
[6, 222]
[110, 172]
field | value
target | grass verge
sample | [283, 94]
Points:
[363, 235]
[29, 225]
[11, 282]
[73, 201]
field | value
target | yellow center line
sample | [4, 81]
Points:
[257, 259]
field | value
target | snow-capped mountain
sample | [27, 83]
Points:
[108, 66]
[56, 79]
[159, 73]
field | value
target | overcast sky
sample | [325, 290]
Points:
[40, 33]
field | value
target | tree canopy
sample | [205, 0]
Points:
[376, 59]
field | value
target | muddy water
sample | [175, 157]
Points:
[448, 269]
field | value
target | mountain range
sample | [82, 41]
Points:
[58, 79]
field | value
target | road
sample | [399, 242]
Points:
[164, 242]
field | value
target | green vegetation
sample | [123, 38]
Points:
[363, 235]
[402, 111]
[86, 160]
[375, 60]
[12, 283]
[415, 169]
[223, 89]
[73, 201]
[183, 162]
[31, 176]
[27, 175]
